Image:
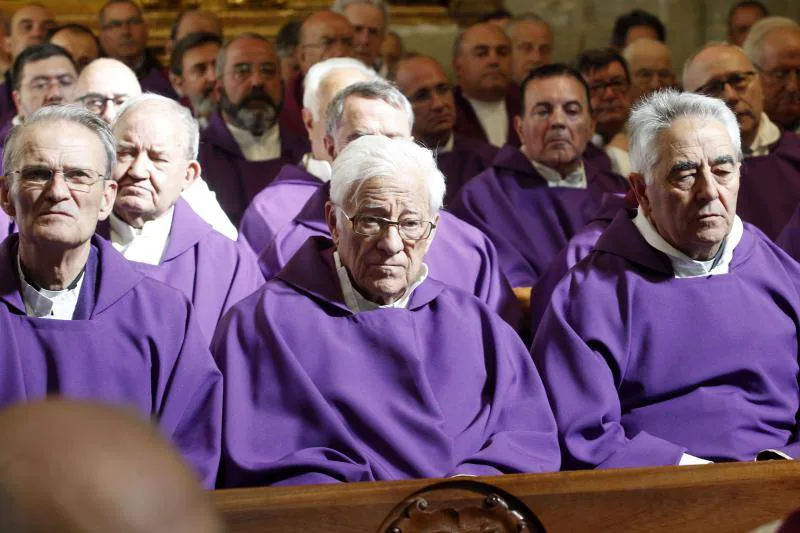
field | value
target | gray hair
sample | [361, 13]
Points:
[656, 114]
[62, 113]
[372, 90]
[524, 17]
[191, 129]
[376, 156]
[339, 5]
[688, 63]
[759, 32]
[220, 67]
[319, 71]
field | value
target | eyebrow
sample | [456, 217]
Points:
[680, 166]
[724, 160]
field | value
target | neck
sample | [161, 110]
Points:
[749, 137]
[51, 268]
[136, 220]
[700, 253]
[435, 139]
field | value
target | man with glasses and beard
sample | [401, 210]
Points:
[192, 73]
[243, 147]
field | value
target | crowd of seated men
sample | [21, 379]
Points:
[314, 259]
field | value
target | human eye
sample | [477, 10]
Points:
[158, 157]
[368, 224]
[504, 51]
[268, 69]
[573, 110]
[36, 174]
[66, 80]
[421, 96]
[26, 26]
[120, 100]
[39, 84]
[541, 111]
[78, 175]
[525, 48]
[242, 70]
[124, 153]
[326, 42]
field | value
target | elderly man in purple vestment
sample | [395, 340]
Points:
[77, 319]
[770, 184]
[281, 200]
[403, 377]
[424, 82]
[462, 256]
[153, 226]
[675, 341]
[103, 87]
[532, 200]
[244, 147]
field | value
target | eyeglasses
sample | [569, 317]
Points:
[42, 83]
[242, 71]
[618, 85]
[77, 179]
[410, 229]
[97, 103]
[782, 75]
[327, 43]
[738, 81]
[118, 24]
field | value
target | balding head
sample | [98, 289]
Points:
[104, 80]
[195, 21]
[482, 62]
[29, 26]
[324, 35]
[82, 468]
[650, 65]
[424, 82]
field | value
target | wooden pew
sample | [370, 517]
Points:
[721, 497]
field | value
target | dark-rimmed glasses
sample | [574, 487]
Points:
[97, 103]
[738, 81]
[77, 179]
[410, 229]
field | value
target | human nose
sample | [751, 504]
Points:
[57, 188]
[706, 187]
[109, 111]
[729, 94]
[390, 241]
[140, 166]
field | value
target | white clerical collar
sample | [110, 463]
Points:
[42, 303]
[683, 265]
[357, 303]
[598, 140]
[319, 168]
[767, 135]
[262, 148]
[448, 146]
[16, 120]
[145, 245]
[575, 179]
[493, 119]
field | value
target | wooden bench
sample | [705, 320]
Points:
[722, 497]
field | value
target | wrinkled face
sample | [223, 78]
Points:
[81, 47]
[533, 43]
[123, 33]
[364, 116]
[29, 26]
[726, 73]
[50, 81]
[426, 86]
[369, 31]
[252, 89]
[691, 199]
[484, 66]
[611, 101]
[557, 124]
[199, 79]
[780, 76]
[651, 70]
[102, 89]
[742, 19]
[640, 32]
[152, 168]
[383, 266]
[323, 36]
[50, 213]
[197, 21]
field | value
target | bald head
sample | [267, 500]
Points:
[650, 64]
[778, 58]
[482, 62]
[82, 468]
[424, 82]
[107, 78]
[324, 35]
[29, 26]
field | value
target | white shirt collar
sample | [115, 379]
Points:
[42, 303]
[145, 245]
[357, 303]
[767, 135]
[203, 201]
[448, 146]
[575, 179]
[261, 148]
[319, 168]
[683, 265]
[493, 119]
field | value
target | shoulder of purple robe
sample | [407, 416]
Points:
[468, 124]
[219, 136]
[597, 157]
[468, 158]
[420, 425]
[156, 81]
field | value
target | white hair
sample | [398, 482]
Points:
[656, 114]
[339, 5]
[179, 113]
[376, 156]
[759, 32]
[317, 74]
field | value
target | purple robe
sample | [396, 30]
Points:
[459, 255]
[468, 125]
[789, 238]
[133, 341]
[212, 271]
[276, 206]
[597, 158]
[769, 190]
[153, 78]
[7, 106]
[467, 159]
[233, 178]
[291, 117]
[529, 222]
[641, 367]
[317, 394]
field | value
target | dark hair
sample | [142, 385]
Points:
[590, 60]
[553, 70]
[34, 53]
[173, 30]
[747, 3]
[75, 28]
[288, 38]
[496, 14]
[115, 2]
[193, 40]
[637, 17]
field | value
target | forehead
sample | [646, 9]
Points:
[374, 115]
[695, 138]
[745, 14]
[612, 70]
[120, 11]
[326, 24]
[340, 78]
[648, 54]
[714, 63]
[555, 91]
[782, 44]
[417, 72]
[52, 66]
[408, 190]
[364, 14]
[531, 30]
[250, 50]
[108, 80]
[204, 52]
[73, 37]
[34, 13]
[62, 141]
[150, 125]
[197, 21]
[484, 35]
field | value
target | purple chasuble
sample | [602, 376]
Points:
[641, 367]
[133, 342]
[276, 206]
[769, 190]
[155, 80]
[233, 178]
[528, 221]
[459, 255]
[468, 158]
[212, 271]
[468, 124]
[597, 158]
[317, 394]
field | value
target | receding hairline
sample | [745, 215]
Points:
[29, 5]
[720, 48]
[148, 106]
[468, 31]
[105, 68]
[318, 18]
